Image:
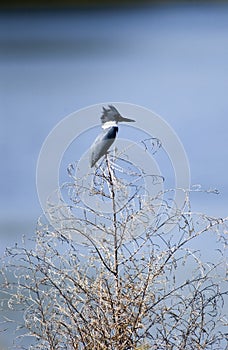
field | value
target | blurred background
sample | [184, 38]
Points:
[59, 56]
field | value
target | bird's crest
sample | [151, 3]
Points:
[109, 114]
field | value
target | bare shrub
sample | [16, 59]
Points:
[138, 278]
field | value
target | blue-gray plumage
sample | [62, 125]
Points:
[109, 119]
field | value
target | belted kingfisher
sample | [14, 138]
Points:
[109, 119]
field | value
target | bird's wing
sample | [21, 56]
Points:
[101, 145]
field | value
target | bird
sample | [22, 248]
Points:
[109, 119]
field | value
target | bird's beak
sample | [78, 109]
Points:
[122, 119]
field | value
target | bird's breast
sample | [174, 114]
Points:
[111, 133]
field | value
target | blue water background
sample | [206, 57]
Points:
[171, 59]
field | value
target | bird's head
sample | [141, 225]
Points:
[111, 114]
